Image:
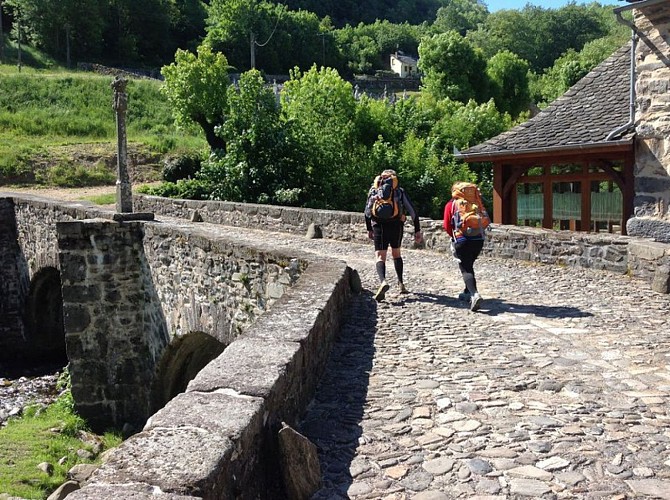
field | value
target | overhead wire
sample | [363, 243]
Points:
[273, 29]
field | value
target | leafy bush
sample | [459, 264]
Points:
[183, 166]
[190, 189]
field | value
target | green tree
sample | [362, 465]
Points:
[187, 23]
[508, 76]
[2, 34]
[138, 31]
[196, 88]
[274, 37]
[461, 16]
[255, 167]
[353, 12]
[299, 40]
[539, 35]
[64, 27]
[319, 107]
[452, 68]
[571, 67]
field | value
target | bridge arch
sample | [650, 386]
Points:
[43, 317]
[180, 363]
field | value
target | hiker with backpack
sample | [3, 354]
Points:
[466, 220]
[385, 219]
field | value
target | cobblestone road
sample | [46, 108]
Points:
[558, 388]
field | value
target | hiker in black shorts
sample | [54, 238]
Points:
[385, 219]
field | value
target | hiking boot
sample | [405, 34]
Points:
[464, 296]
[381, 291]
[475, 302]
[403, 289]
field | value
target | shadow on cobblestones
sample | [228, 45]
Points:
[493, 307]
[334, 418]
[433, 298]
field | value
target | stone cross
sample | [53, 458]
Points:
[124, 195]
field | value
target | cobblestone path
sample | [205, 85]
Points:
[558, 388]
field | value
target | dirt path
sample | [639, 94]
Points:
[64, 194]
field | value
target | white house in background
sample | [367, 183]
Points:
[404, 66]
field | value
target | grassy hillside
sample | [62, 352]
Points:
[58, 128]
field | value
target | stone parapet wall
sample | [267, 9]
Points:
[608, 252]
[336, 225]
[29, 244]
[217, 440]
[215, 285]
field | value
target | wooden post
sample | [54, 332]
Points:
[547, 191]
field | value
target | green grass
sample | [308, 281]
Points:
[103, 199]
[49, 115]
[49, 435]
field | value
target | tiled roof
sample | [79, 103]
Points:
[583, 116]
[405, 59]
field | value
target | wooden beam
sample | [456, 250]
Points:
[628, 190]
[571, 177]
[498, 202]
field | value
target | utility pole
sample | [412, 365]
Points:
[18, 20]
[2, 38]
[323, 48]
[252, 40]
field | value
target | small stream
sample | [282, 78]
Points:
[21, 387]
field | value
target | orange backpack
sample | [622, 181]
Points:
[385, 203]
[470, 216]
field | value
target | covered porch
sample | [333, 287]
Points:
[584, 191]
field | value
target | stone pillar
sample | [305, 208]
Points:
[124, 196]
[114, 328]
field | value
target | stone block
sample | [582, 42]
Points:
[250, 366]
[299, 462]
[183, 460]
[661, 282]
[647, 250]
[126, 492]
[76, 318]
[219, 412]
[648, 227]
[314, 231]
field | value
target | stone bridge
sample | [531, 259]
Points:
[142, 306]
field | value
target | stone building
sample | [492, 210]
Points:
[597, 158]
[403, 65]
[651, 217]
